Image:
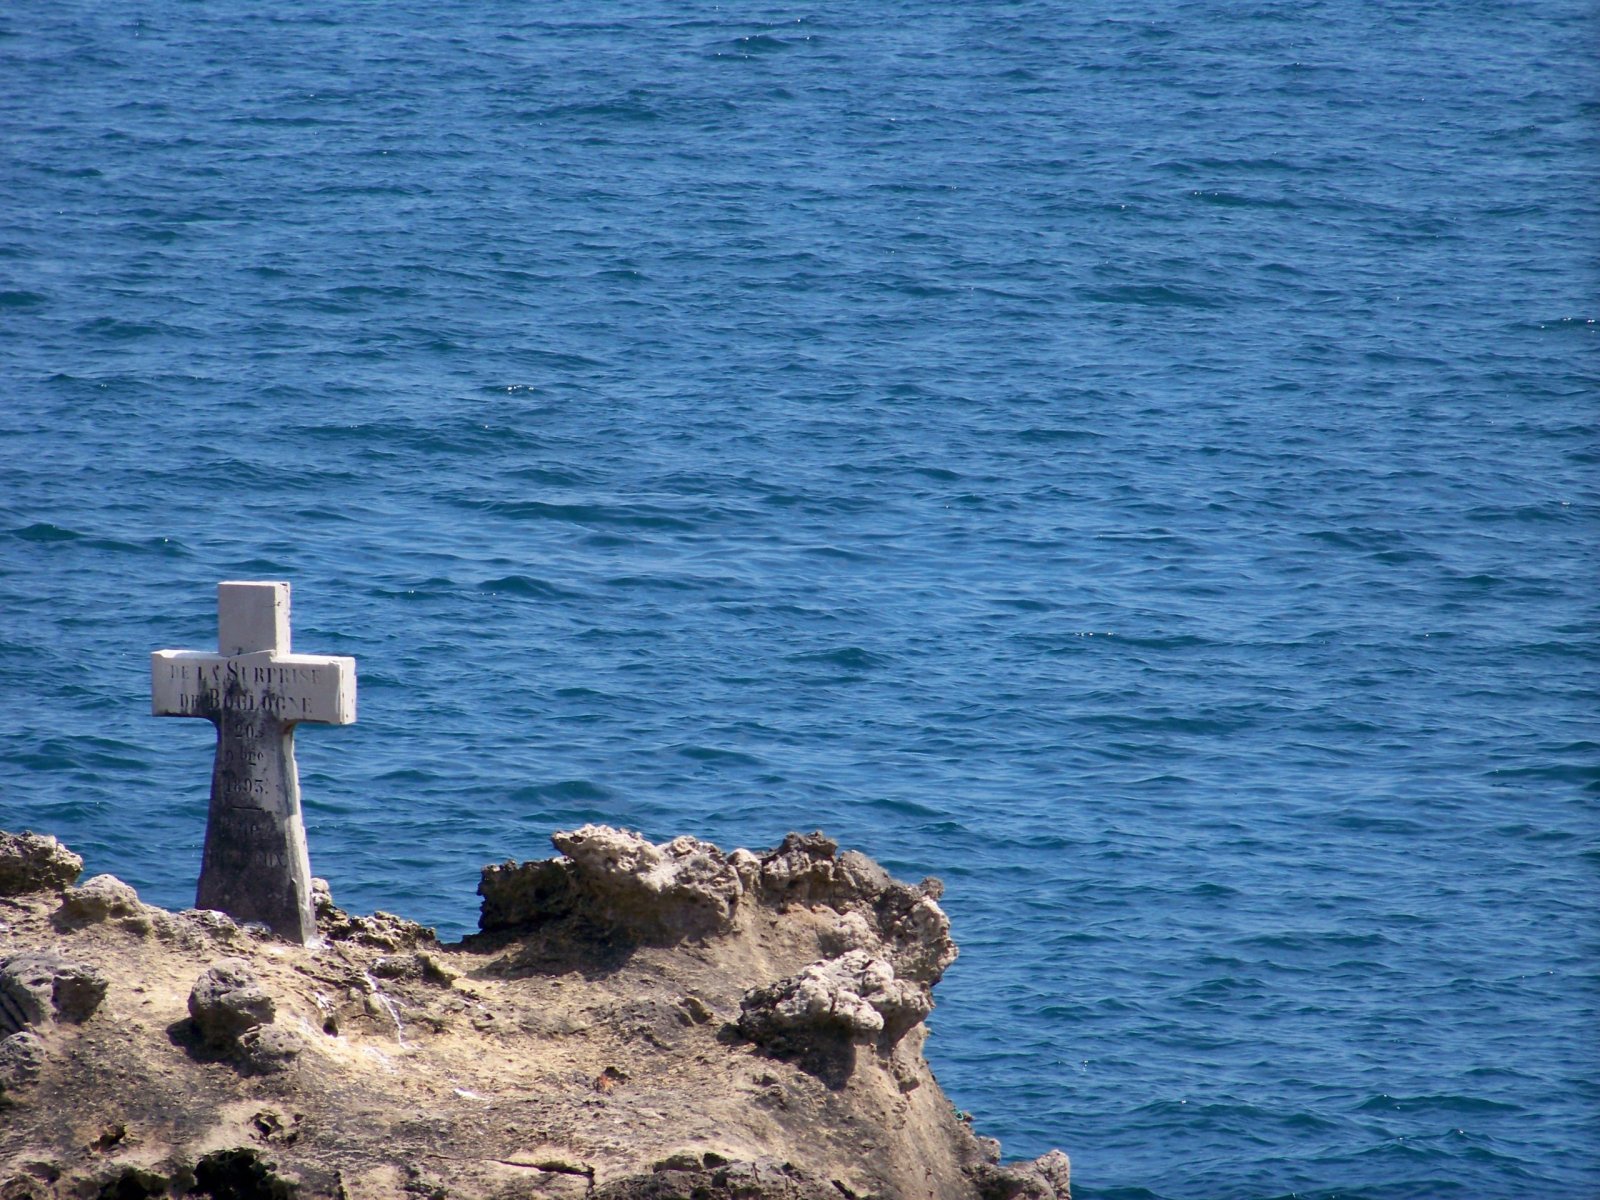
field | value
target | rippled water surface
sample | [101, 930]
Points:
[1137, 464]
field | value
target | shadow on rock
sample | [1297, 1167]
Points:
[829, 1060]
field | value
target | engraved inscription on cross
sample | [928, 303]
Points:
[255, 692]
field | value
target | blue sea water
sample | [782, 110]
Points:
[1138, 464]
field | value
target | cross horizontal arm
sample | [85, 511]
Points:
[289, 687]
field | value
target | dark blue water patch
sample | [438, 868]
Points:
[565, 791]
[716, 755]
[849, 658]
[1447, 1104]
[634, 516]
[527, 586]
[45, 532]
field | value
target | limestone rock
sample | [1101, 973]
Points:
[40, 987]
[32, 862]
[101, 898]
[200, 930]
[916, 930]
[906, 924]
[22, 1057]
[766, 1178]
[381, 930]
[522, 896]
[800, 870]
[850, 932]
[24, 997]
[854, 998]
[684, 883]
[1048, 1177]
[582, 1048]
[416, 966]
[268, 1049]
[620, 880]
[226, 1002]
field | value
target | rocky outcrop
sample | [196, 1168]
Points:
[103, 898]
[853, 998]
[717, 1179]
[381, 930]
[1048, 1177]
[618, 881]
[634, 1020]
[41, 987]
[31, 862]
[227, 1002]
[233, 1015]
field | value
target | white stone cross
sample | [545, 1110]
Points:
[255, 866]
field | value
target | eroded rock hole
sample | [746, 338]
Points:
[239, 1175]
[134, 1184]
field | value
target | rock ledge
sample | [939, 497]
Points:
[633, 1021]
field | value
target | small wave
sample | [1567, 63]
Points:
[630, 515]
[1365, 823]
[1447, 1102]
[1235, 200]
[714, 754]
[43, 531]
[757, 43]
[1043, 435]
[422, 589]
[563, 790]
[630, 109]
[906, 808]
[1156, 295]
[117, 330]
[1557, 772]
[1581, 325]
[407, 775]
[851, 658]
[527, 585]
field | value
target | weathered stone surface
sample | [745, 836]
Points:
[906, 923]
[269, 1049]
[255, 866]
[227, 1001]
[684, 882]
[766, 1178]
[851, 931]
[570, 1058]
[421, 966]
[39, 987]
[688, 888]
[31, 862]
[25, 999]
[1048, 1177]
[800, 870]
[381, 930]
[620, 880]
[99, 899]
[241, 1174]
[916, 931]
[200, 930]
[854, 998]
[22, 1057]
[518, 897]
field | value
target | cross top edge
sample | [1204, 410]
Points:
[252, 616]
